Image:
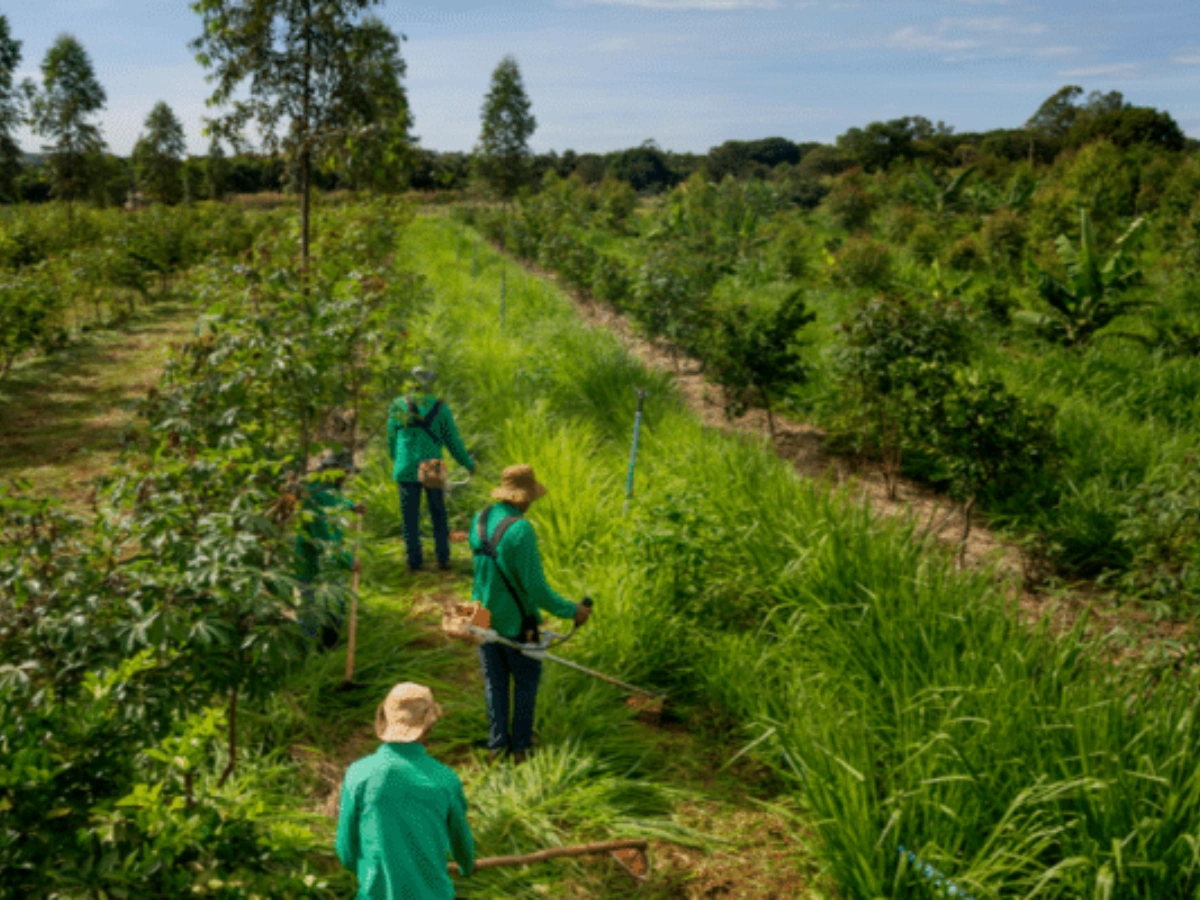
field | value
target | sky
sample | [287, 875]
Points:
[608, 74]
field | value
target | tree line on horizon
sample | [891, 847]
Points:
[355, 132]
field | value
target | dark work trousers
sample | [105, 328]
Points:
[410, 520]
[500, 666]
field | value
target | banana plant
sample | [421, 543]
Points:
[1091, 296]
[933, 195]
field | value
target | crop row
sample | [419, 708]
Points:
[899, 697]
[1037, 363]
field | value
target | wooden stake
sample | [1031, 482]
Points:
[352, 639]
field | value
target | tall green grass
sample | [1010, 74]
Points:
[900, 696]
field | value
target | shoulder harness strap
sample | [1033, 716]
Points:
[425, 422]
[488, 547]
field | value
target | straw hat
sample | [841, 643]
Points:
[406, 713]
[424, 375]
[517, 485]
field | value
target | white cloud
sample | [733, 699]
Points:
[1046, 52]
[1192, 59]
[641, 43]
[912, 38]
[1110, 69]
[994, 25]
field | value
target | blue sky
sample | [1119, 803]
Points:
[608, 74]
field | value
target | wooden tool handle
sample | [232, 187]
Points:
[492, 862]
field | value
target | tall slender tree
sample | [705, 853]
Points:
[503, 156]
[304, 74]
[10, 111]
[61, 111]
[216, 170]
[158, 155]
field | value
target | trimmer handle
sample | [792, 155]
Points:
[587, 601]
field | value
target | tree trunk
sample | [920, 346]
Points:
[305, 127]
[968, 507]
[229, 766]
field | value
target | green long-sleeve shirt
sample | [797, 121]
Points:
[518, 553]
[319, 535]
[402, 813]
[409, 447]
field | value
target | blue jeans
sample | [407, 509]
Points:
[500, 665]
[410, 521]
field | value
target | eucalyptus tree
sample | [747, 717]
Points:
[61, 111]
[295, 68]
[503, 157]
[10, 110]
[158, 155]
[216, 170]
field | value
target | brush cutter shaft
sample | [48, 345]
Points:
[492, 862]
[538, 652]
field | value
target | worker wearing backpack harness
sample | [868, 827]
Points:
[510, 584]
[418, 428]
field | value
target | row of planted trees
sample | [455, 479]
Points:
[132, 639]
[54, 282]
[884, 345]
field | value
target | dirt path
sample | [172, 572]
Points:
[64, 415]
[1128, 630]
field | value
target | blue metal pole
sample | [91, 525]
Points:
[637, 431]
[933, 876]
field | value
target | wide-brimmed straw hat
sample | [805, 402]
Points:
[423, 375]
[406, 713]
[517, 485]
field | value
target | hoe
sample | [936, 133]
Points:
[629, 854]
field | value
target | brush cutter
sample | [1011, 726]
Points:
[479, 628]
[630, 855]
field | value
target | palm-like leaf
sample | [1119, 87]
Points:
[1089, 298]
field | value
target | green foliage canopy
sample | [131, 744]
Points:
[158, 155]
[10, 110]
[502, 154]
[61, 111]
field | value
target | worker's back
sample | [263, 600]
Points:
[402, 813]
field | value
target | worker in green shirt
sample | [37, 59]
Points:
[403, 812]
[419, 426]
[319, 543]
[511, 585]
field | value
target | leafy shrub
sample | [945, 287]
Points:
[965, 254]
[925, 243]
[1004, 237]
[984, 436]
[30, 315]
[889, 367]
[899, 226]
[865, 263]
[756, 352]
[849, 204]
[610, 282]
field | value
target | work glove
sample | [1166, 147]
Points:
[582, 614]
